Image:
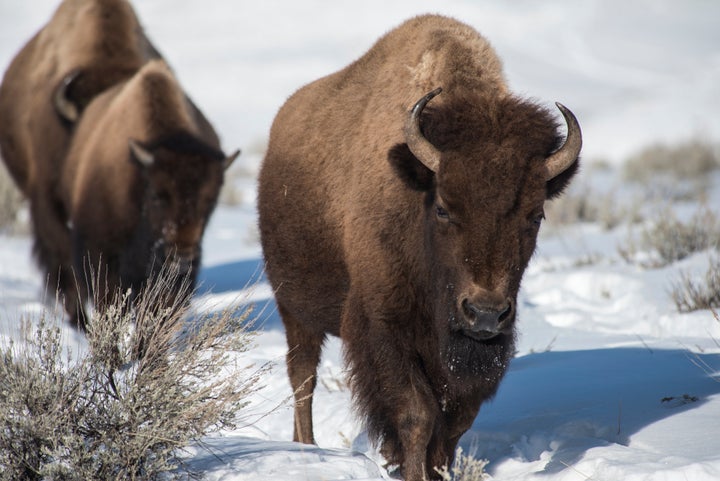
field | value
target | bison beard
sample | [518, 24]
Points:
[468, 359]
[402, 219]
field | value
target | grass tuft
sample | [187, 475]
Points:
[11, 201]
[464, 468]
[692, 294]
[669, 239]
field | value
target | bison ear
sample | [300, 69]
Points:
[140, 154]
[555, 186]
[412, 172]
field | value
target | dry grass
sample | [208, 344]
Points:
[693, 294]
[689, 160]
[464, 468]
[583, 204]
[680, 172]
[151, 383]
[668, 239]
[11, 200]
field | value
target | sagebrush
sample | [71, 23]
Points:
[681, 172]
[584, 204]
[668, 239]
[694, 293]
[692, 159]
[150, 383]
[11, 199]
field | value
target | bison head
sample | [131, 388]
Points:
[483, 167]
[182, 177]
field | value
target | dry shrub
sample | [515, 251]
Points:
[464, 468]
[583, 204]
[692, 294]
[674, 173]
[11, 199]
[689, 160]
[669, 239]
[151, 383]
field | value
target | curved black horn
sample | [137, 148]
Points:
[564, 157]
[416, 141]
[63, 105]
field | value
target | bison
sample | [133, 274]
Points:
[401, 219]
[139, 183]
[86, 47]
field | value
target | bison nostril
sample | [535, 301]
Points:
[504, 315]
[485, 317]
[467, 309]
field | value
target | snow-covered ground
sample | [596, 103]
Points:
[609, 382]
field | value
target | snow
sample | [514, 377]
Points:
[610, 381]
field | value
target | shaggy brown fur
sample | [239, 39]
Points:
[363, 241]
[140, 181]
[96, 44]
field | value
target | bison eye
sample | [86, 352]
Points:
[537, 220]
[442, 213]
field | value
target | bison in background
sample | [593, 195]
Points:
[116, 161]
[402, 219]
[140, 181]
[87, 46]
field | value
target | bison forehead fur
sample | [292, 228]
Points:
[406, 230]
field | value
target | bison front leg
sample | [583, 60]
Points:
[415, 424]
[303, 356]
[53, 248]
[391, 391]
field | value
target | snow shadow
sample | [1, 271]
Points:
[555, 406]
[247, 279]
[233, 276]
[248, 458]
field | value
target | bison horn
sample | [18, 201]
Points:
[64, 106]
[141, 154]
[566, 155]
[230, 159]
[416, 141]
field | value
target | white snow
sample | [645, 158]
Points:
[610, 381]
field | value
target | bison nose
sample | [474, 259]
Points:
[485, 320]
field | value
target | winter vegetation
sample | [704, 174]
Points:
[11, 202]
[150, 383]
[617, 370]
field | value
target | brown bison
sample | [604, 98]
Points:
[140, 181]
[405, 229]
[86, 47]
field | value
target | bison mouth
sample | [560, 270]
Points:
[479, 335]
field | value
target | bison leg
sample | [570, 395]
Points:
[458, 421]
[415, 427]
[303, 356]
[53, 252]
[391, 390]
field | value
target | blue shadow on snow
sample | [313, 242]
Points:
[239, 276]
[578, 400]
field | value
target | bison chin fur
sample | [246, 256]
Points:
[470, 361]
